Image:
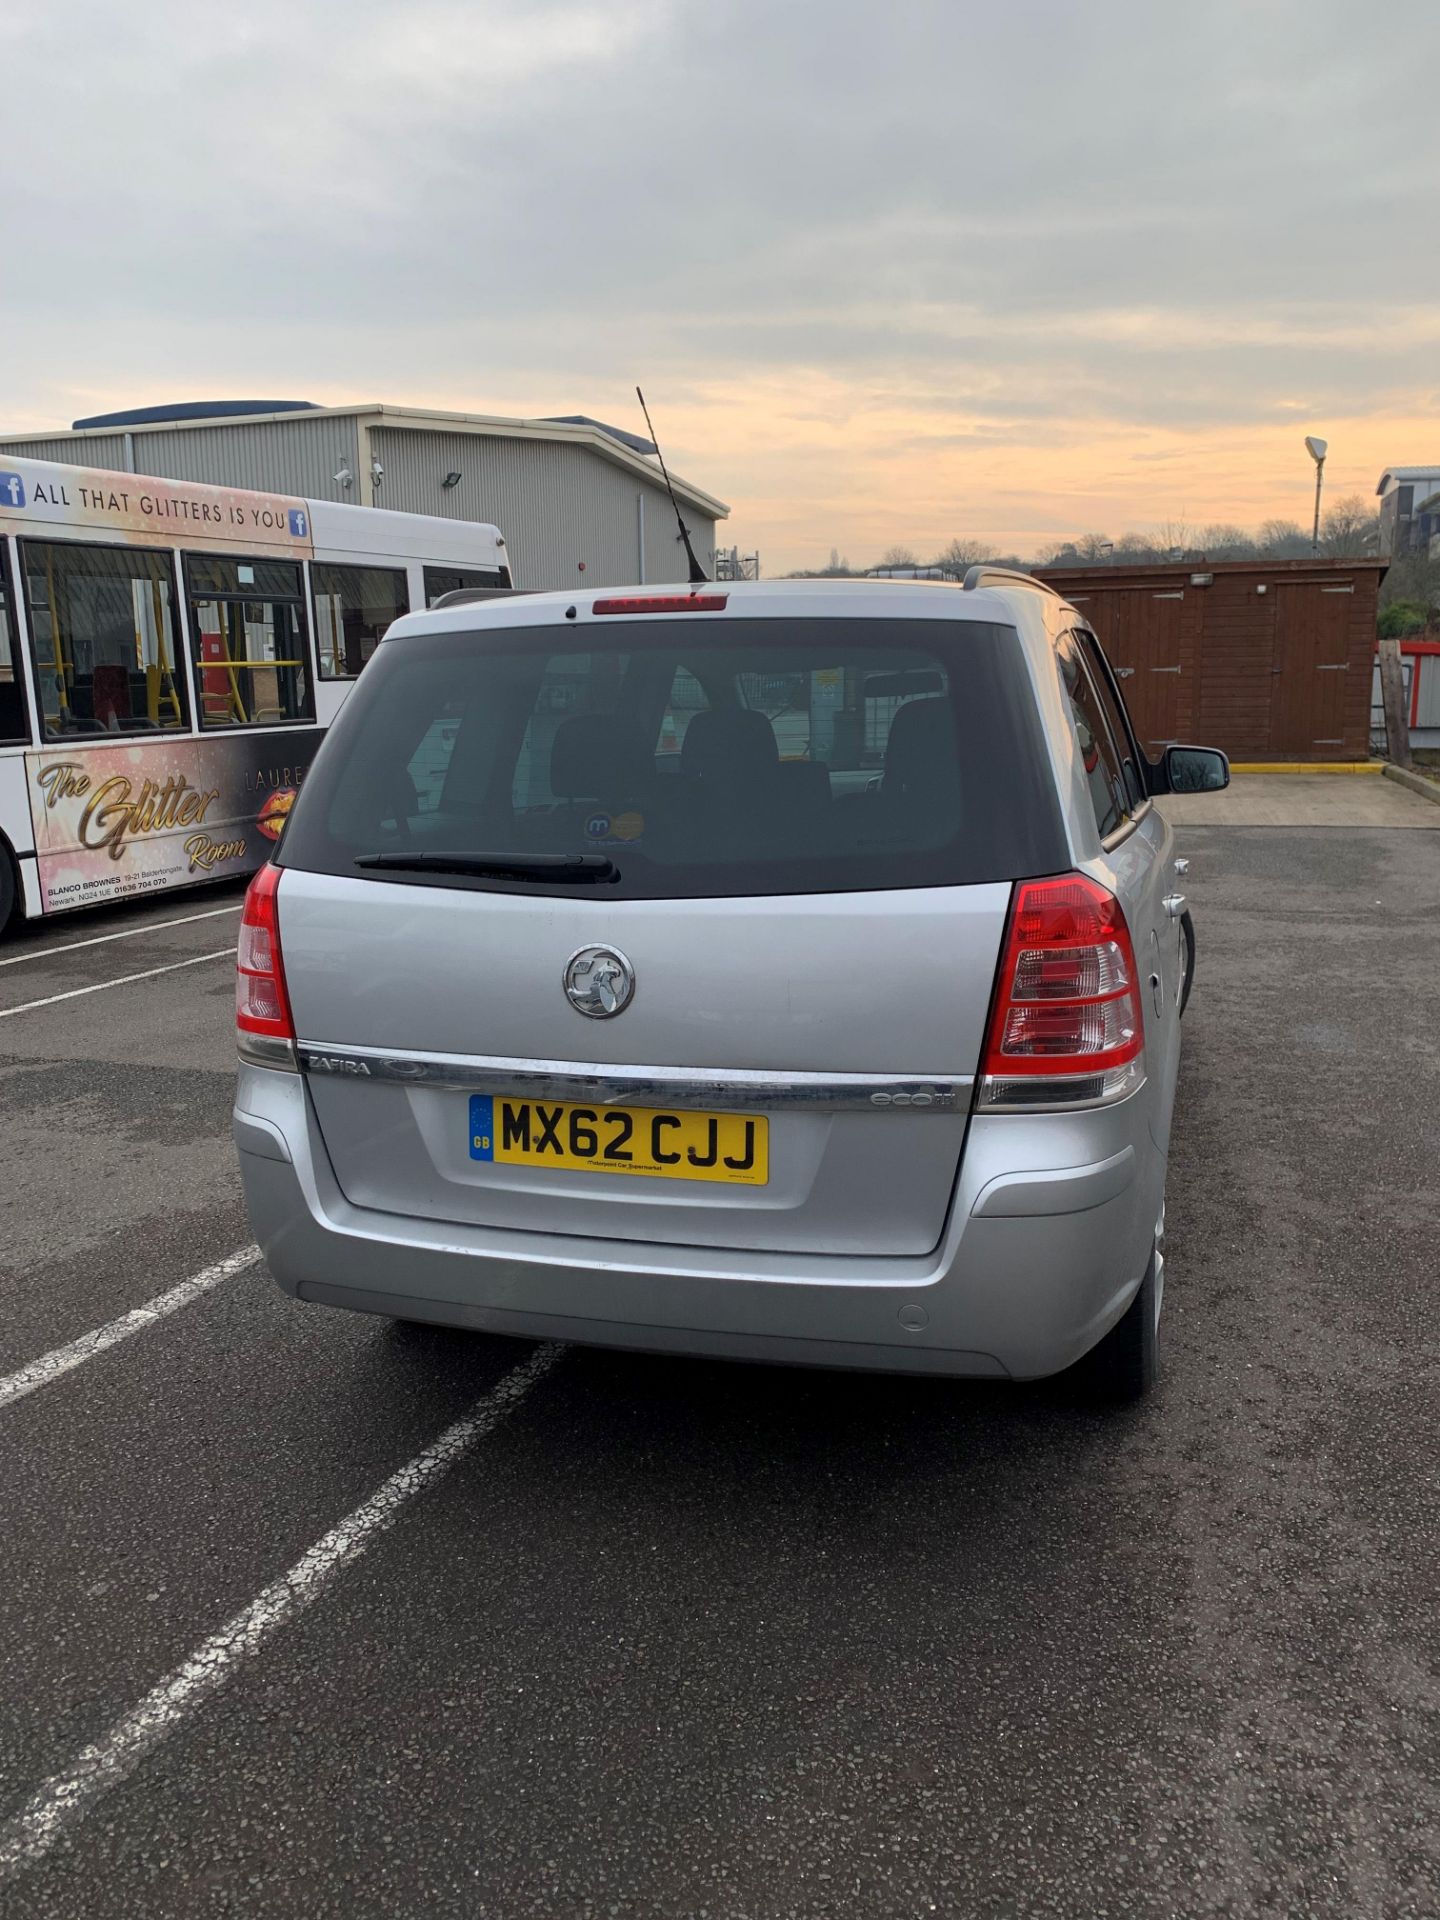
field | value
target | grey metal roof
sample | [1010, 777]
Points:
[1401, 474]
[239, 409]
[634, 441]
[190, 410]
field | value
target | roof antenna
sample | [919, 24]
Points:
[698, 575]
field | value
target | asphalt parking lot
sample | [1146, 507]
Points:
[663, 1638]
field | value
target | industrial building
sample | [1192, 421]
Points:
[1407, 516]
[579, 503]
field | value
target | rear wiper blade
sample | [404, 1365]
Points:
[580, 867]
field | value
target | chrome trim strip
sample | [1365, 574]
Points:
[737, 1091]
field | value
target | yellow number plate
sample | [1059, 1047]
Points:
[733, 1147]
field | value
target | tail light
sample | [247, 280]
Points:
[265, 1032]
[1067, 1029]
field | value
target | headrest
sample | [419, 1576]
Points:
[733, 744]
[598, 756]
[921, 756]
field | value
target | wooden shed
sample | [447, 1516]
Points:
[1268, 660]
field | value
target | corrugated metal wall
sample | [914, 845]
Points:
[298, 457]
[1427, 710]
[283, 456]
[556, 505]
[106, 450]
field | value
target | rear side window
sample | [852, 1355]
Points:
[1099, 755]
[1120, 728]
[769, 757]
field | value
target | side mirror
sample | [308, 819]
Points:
[1195, 770]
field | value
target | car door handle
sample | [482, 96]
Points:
[1174, 904]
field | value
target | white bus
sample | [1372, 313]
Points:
[170, 655]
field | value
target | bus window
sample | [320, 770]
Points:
[440, 580]
[102, 631]
[249, 636]
[13, 724]
[353, 607]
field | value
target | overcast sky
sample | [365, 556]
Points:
[887, 272]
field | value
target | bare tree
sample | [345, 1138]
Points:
[1138, 548]
[1414, 578]
[1086, 551]
[1222, 541]
[1283, 540]
[1094, 546]
[960, 555]
[1350, 530]
[1173, 538]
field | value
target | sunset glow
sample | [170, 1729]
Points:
[874, 295]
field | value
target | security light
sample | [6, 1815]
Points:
[452, 479]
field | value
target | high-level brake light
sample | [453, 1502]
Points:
[663, 603]
[265, 1031]
[1067, 1028]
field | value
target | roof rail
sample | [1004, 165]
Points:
[472, 596]
[982, 576]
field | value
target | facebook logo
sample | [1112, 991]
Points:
[12, 490]
[299, 523]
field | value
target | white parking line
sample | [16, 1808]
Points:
[60, 1360]
[130, 933]
[125, 980]
[29, 1834]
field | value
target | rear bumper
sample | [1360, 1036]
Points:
[1035, 1265]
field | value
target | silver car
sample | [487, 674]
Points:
[786, 971]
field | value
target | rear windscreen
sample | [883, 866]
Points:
[765, 757]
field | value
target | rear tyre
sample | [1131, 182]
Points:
[1126, 1363]
[1187, 932]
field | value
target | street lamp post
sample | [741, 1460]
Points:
[1317, 450]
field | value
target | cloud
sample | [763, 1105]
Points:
[878, 266]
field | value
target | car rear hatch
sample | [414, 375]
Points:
[675, 930]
